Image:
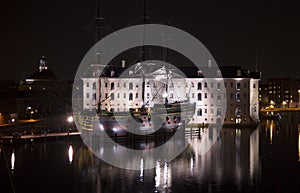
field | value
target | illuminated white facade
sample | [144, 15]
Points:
[117, 94]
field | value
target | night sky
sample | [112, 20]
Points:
[233, 31]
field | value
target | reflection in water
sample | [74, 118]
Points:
[241, 160]
[299, 143]
[13, 159]
[142, 170]
[70, 153]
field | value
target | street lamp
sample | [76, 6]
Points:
[70, 119]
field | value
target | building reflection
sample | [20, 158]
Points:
[298, 142]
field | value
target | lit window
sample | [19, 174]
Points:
[218, 86]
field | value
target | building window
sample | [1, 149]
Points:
[205, 84]
[238, 97]
[199, 97]
[192, 84]
[187, 95]
[199, 86]
[130, 86]
[212, 111]
[225, 84]
[238, 112]
[199, 112]
[112, 86]
[205, 111]
[105, 84]
[245, 84]
[87, 84]
[171, 85]
[171, 95]
[212, 85]
[212, 95]
[219, 112]
[118, 95]
[118, 85]
[87, 95]
[231, 84]
[193, 95]
[112, 96]
[94, 85]
[124, 96]
[106, 95]
[130, 96]
[254, 85]
[205, 95]
[136, 95]
[218, 86]
[124, 84]
[94, 96]
[238, 85]
[219, 97]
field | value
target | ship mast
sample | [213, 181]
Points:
[94, 26]
[143, 52]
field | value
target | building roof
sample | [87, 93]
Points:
[186, 71]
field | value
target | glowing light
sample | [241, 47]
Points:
[271, 131]
[166, 174]
[13, 159]
[70, 119]
[13, 120]
[165, 95]
[101, 127]
[142, 170]
[70, 153]
[157, 174]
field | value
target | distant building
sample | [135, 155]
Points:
[113, 92]
[284, 92]
[42, 94]
[264, 95]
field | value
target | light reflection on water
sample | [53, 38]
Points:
[241, 160]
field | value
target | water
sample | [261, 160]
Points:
[263, 159]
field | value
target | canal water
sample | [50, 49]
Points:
[262, 159]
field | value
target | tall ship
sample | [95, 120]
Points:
[149, 102]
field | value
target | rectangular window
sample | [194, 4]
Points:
[106, 95]
[205, 95]
[124, 95]
[193, 95]
[118, 95]
[136, 95]
[87, 95]
[112, 96]
[94, 96]
[205, 84]
[205, 111]
[87, 84]
[212, 85]
[238, 85]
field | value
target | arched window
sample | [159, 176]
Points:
[199, 112]
[112, 86]
[130, 96]
[199, 97]
[199, 86]
[130, 86]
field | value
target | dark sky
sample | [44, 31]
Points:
[233, 31]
